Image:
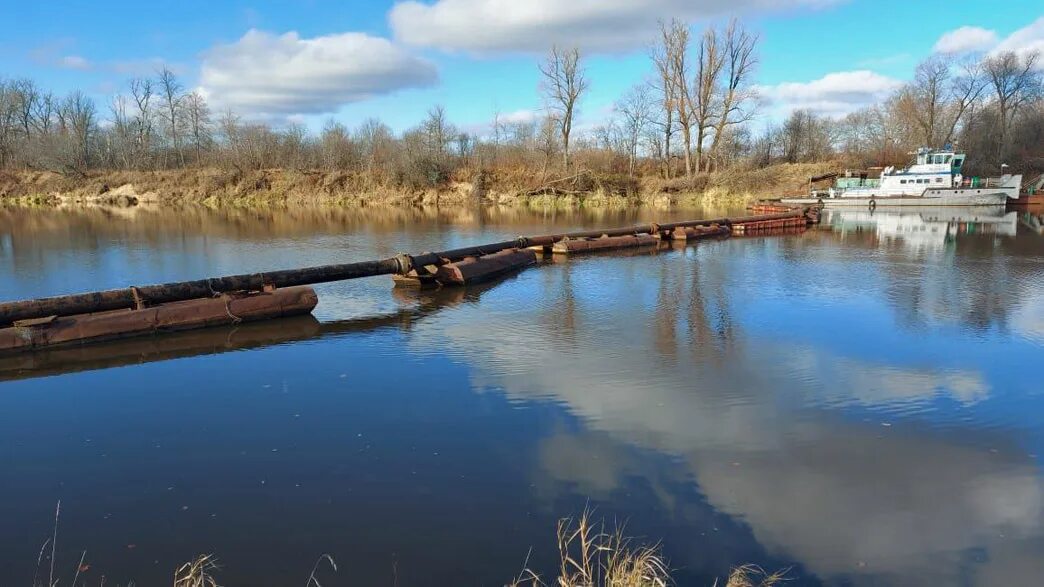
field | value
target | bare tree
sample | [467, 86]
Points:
[197, 114]
[738, 98]
[44, 111]
[498, 130]
[337, 150]
[926, 99]
[171, 90]
[636, 109]
[547, 141]
[120, 138]
[231, 134]
[674, 50]
[710, 59]
[1015, 82]
[142, 94]
[8, 121]
[665, 85]
[965, 91]
[437, 132]
[564, 82]
[82, 115]
[27, 94]
[375, 139]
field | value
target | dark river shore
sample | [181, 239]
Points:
[860, 402]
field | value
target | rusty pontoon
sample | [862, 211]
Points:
[139, 310]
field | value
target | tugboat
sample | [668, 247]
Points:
[933, 179]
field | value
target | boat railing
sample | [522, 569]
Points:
[984, 182]
[857, 182]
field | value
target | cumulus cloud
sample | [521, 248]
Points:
[263, 74]
[969, 39]
[834, 94]
[966, 39]
[496, 26]
[1026, 40]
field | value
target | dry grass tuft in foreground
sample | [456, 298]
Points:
[754, 576]
[197, 573]
[590, 556]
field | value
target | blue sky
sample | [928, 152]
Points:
[316, 59]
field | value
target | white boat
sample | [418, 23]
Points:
[934, 179]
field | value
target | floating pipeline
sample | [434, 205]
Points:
[225, 309]
[570, 246]
[688, 233]
[487, 267]
[141, 310]
[768, 225]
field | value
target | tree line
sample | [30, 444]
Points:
[698, 111]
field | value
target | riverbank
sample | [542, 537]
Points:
[283, 187]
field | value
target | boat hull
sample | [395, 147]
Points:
[944, 199]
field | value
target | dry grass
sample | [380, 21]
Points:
[589, 556]
[197, 573]
[754, 576]
[287, 187]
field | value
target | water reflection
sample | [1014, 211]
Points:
[927, 229]
[856, 401]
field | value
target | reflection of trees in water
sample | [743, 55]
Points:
[665, 316]
[147, 224]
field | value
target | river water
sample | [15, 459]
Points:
[860, 403]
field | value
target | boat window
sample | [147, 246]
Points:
[902, 181]
[938, 180]
[946, 159]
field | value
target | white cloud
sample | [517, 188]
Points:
[969, 39]
[496, 26]
[834, 94]
[966, 39]
[1026, 40]
[263, 74]
[75, 62]
[519, 116]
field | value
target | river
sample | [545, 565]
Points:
[860, 403]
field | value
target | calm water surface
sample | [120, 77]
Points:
[861, 402]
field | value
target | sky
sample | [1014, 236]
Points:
[315, 60]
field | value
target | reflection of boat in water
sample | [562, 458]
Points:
[933, 179]
[927, 227]
[1034, 222]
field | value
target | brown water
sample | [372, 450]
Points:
[859, 402]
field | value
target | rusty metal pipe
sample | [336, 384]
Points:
[185, 290]
[99, 301]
